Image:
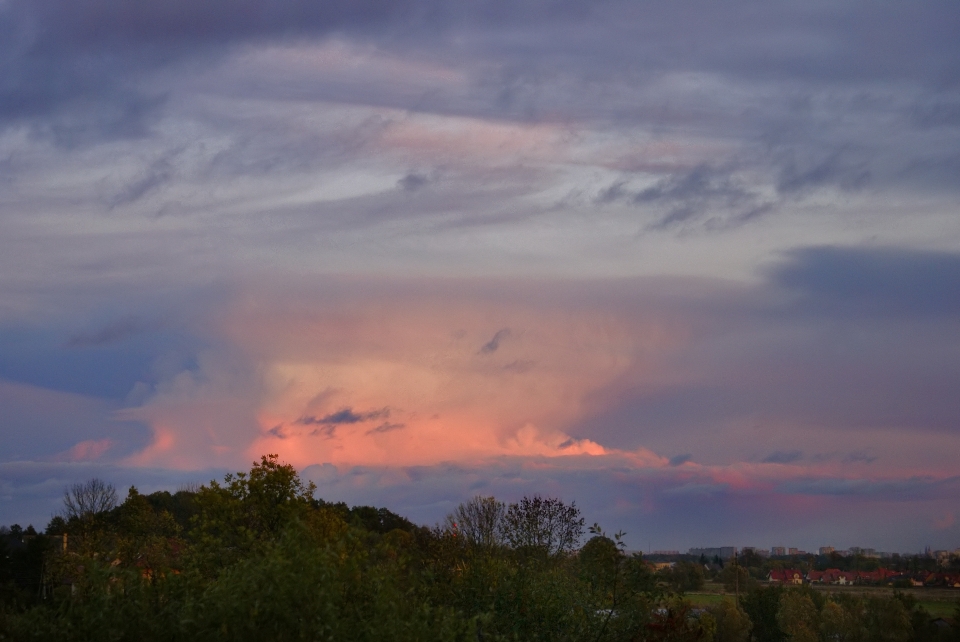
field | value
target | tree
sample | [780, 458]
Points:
[479, 521]
[732, 622]
[250, 509]
[736, 579]
[798, 617]
[887, 620]
[548, 525]
[88, 499]
[683, 576]
[600, 560]
[840, 618]
[762, 606]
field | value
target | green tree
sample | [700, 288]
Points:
[683, 576]
[798, 617]
[600, 561]
[736, 579]
[762, 605]
[840, 619]
[248, 511]
[887, 620]
[732, 622]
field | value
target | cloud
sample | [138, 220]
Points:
[783, 457]
[412, 182]
[861, 456]
[493, 344]
[678, 460]
[87, 450]
[113, 333]
[44, 424]
[710, 197]
[386, 427]
[184, 180]
[872, 282]
[344, 416]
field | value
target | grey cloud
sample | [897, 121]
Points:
[663, 507]
[493, 344]
[861, 339]
[519, 366]
[936, 114]
[159, 172]
[709, 197]
[897, 490]
[835, 169]
[872, 282]
[112, 333]
[859, 457]
[386, 427]
[62, 55]
[783, 457]
[677, 460]
[412, 182]
[344, 416]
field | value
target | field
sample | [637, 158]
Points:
[937, 602]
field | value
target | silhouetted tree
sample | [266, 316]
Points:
[87, 499]
[548, 525]
[479, 521]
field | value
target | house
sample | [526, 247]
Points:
[874, 577]
[845, 578]
[785, 576]
[947, 580]
[831, 576]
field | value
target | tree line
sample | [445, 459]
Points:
[257, 557]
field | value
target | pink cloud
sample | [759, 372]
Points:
[360, 377]
[404, 376]
[89, 450]
[945, 521]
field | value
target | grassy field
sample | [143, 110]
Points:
[937, 602]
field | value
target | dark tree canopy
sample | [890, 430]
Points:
[545, 524]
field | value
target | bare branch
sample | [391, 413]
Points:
[88, 498]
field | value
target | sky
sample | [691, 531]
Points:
[693, 266]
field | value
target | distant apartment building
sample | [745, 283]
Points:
[762, 552]
[793, 551]
[778, 551]
[865, 552]
[666, 553]
[826, 550]
[723, 552]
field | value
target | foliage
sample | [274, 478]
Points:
[736, 579]
[683, 576]
[732, 622]
[257, 557]
[798, 617]
[762, 606]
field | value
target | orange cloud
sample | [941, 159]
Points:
[382, 378]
